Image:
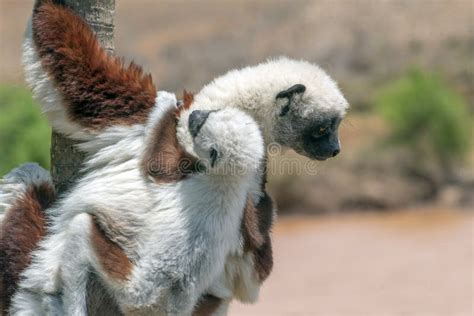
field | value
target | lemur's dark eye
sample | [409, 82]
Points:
[213, 155]
[321, 131]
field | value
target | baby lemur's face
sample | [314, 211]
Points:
[226, 141]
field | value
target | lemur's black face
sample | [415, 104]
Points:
[310, 133]
[321, 141]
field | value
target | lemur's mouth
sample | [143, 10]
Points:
[321, 158]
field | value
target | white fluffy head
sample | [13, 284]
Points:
[226, 141]
[255, 90]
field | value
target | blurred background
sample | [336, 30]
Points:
[386, 227]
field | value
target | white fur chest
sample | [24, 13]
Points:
[190, 230]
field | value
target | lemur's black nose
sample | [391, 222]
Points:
[196, 120]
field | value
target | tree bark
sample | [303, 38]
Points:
[66, 160]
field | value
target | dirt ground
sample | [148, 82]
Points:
[416, 262]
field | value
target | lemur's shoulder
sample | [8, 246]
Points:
[164, 159]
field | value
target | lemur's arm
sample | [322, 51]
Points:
[39, 291]
[56, 282]
[262, 253]
[256, 228]
[80, 87]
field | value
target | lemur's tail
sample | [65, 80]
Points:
[80, 87]
[25, 193]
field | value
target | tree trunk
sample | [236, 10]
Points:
[66, 161]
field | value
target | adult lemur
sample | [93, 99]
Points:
[175, 236]
[86, 93]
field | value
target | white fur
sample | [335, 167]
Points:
[52, 103]
[113, 161]
[44, 90]
[117, 144]
[181, 232]
[253, 90]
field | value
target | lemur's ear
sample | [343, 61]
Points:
[289, 94]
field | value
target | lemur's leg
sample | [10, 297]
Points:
[59, 267]
[138, 288]
[41, 283]
[223, 308]
[76, 264]
[256, 263]
[246, 271]
[81, 88]
[263, 253]
[60, 270]
[32, 304]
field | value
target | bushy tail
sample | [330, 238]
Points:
[25, 193]
[18, 182]
[80, 87]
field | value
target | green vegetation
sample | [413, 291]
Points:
[427, 116]
[24, 132]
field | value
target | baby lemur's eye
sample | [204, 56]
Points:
[213, 155]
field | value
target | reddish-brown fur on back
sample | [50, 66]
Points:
[22, 229]
[98, 89]
[188, 99]
[112, 258]
[165, 160]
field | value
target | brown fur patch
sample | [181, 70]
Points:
[22, 229]
[256, 226]
[113, 259]
[39, 3]
[265, 213]
[98, 89]
[263, 255]
[207, 305]
[188, 99]
[253, 238]
[165, 160]
[263, 259]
